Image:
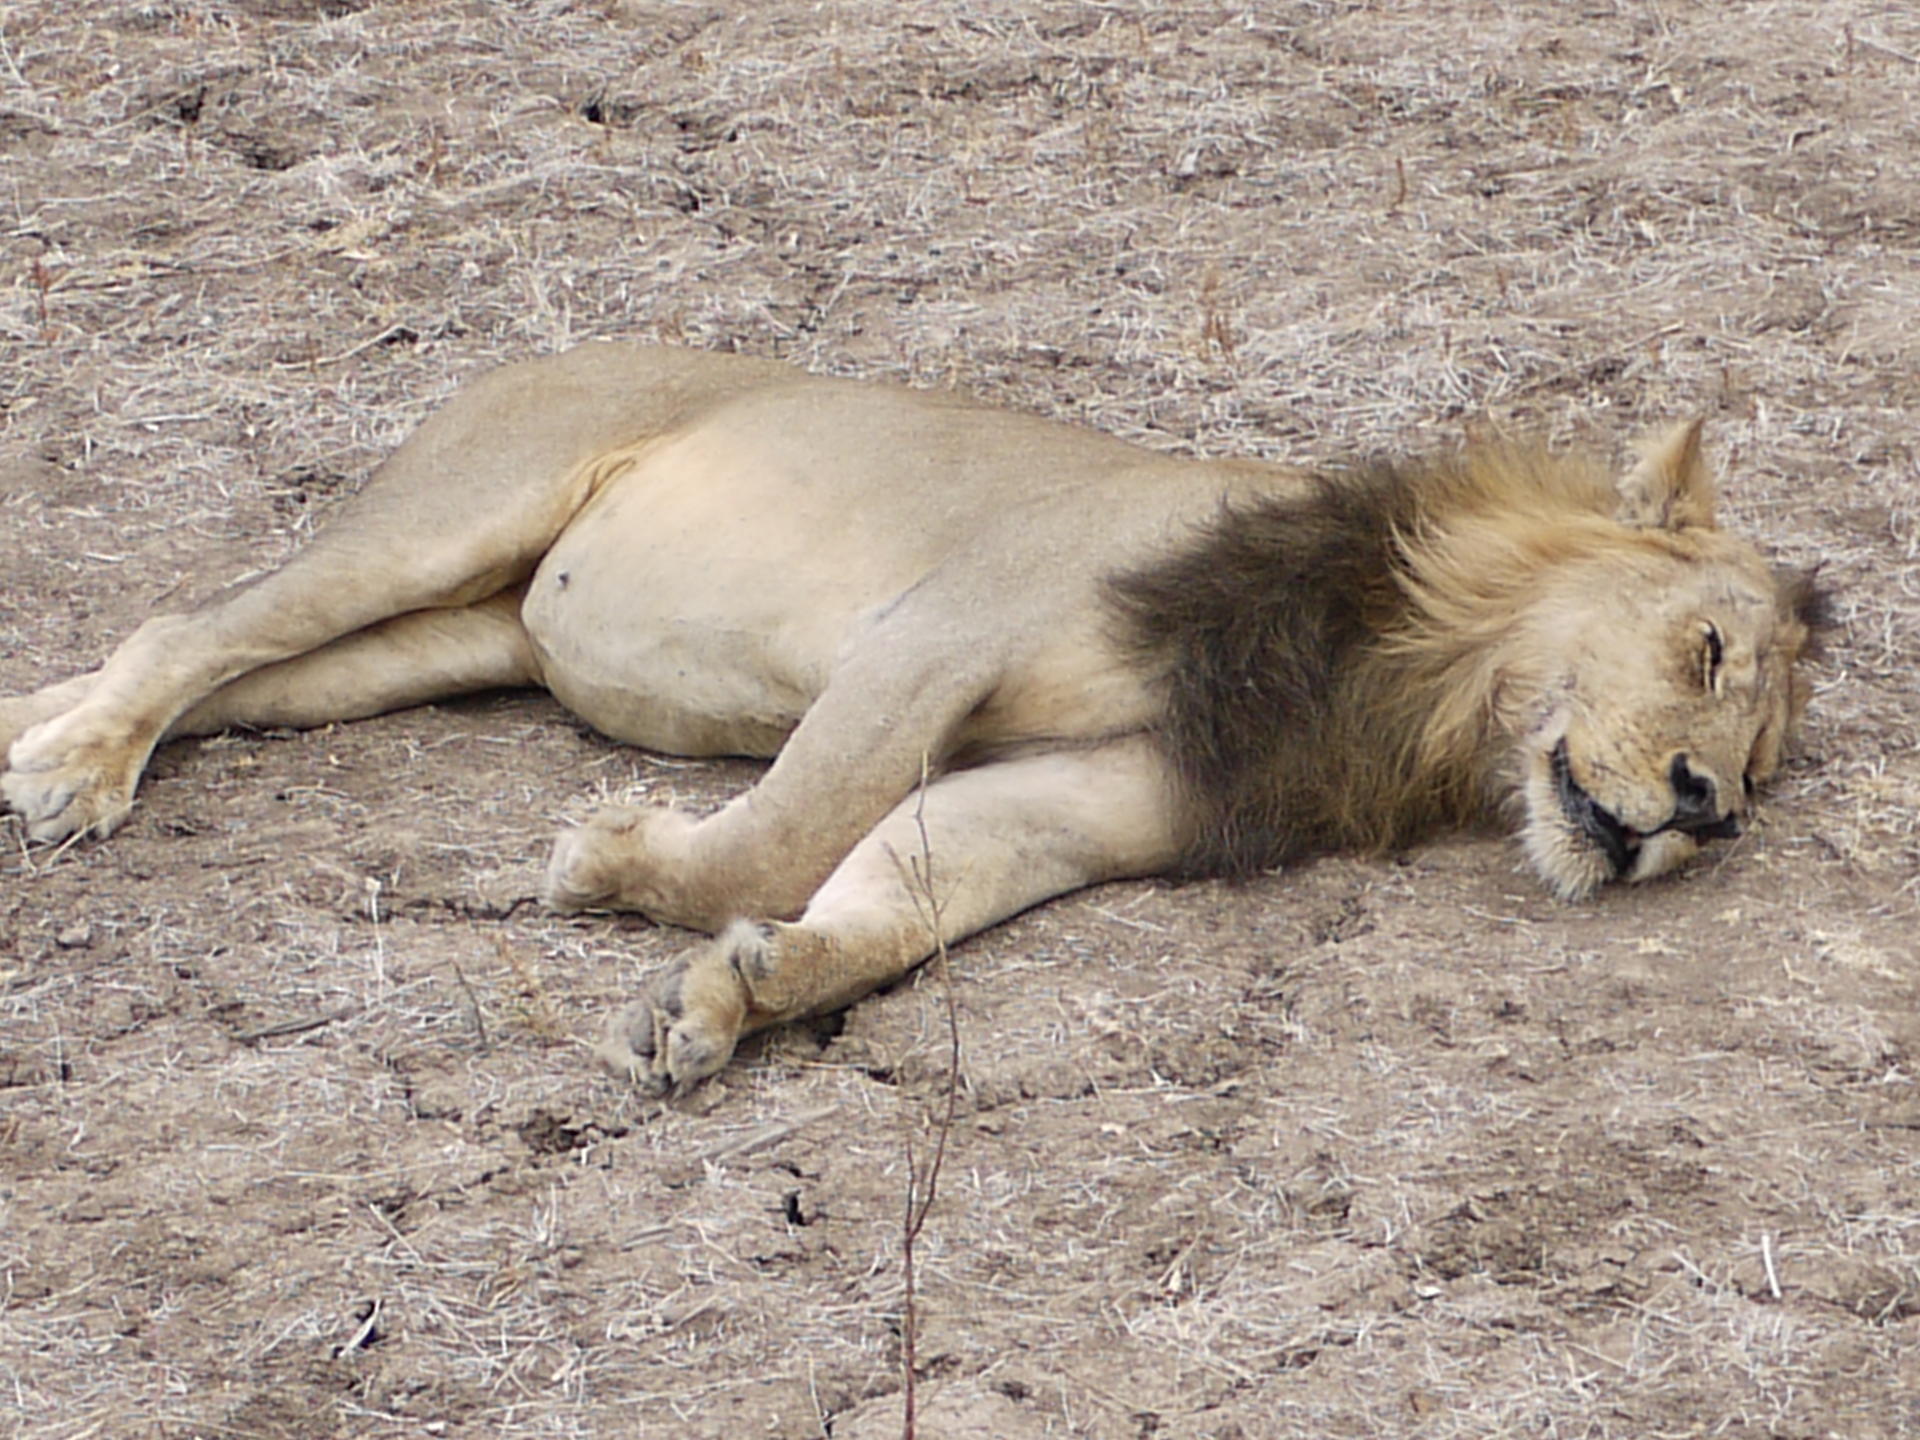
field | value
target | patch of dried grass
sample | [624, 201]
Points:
[247, 247]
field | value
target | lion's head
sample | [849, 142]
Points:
[1648, 683]
[1397, 648]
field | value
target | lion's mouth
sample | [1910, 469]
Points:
[1619, 843]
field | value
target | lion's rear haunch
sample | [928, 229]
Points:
[1393, 649]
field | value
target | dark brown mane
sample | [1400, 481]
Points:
[1264, 635]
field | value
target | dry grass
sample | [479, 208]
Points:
[1376, 1149]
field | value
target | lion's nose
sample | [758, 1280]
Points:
[1696, 804]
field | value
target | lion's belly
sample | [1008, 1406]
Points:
[701, 600]
[654, 623]
[620, 653]
[683, 689]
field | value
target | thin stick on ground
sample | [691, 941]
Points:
[923, 1185]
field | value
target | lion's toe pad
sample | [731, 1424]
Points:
[683, 1027]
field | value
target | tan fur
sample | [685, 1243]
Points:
[1110, 662]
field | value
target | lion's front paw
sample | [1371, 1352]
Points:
[65, 786]
[684, 1025]
[625, 857]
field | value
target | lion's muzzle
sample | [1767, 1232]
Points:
[1617, 842]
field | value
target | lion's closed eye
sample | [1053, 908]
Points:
[1714, 655]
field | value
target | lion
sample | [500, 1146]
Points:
[1041, 656]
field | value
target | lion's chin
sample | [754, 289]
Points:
[1565, 860]
[1572, 842]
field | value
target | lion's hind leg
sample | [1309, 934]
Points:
[408, 660]
[20, 713]
[460, 513]
[977, 846]
[72, 788]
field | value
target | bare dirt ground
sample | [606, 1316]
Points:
[298, 1133]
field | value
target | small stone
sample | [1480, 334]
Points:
[75, 937]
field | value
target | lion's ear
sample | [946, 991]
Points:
[1805, 597]
[1670, 488]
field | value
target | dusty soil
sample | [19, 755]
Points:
[298, 1135]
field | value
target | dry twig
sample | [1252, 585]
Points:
[923, 1178]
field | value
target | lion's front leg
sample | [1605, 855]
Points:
[980, 845]
[862, 746]
[629, 857]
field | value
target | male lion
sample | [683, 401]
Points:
[1110, 662]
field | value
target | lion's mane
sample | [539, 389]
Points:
[1329, 661]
